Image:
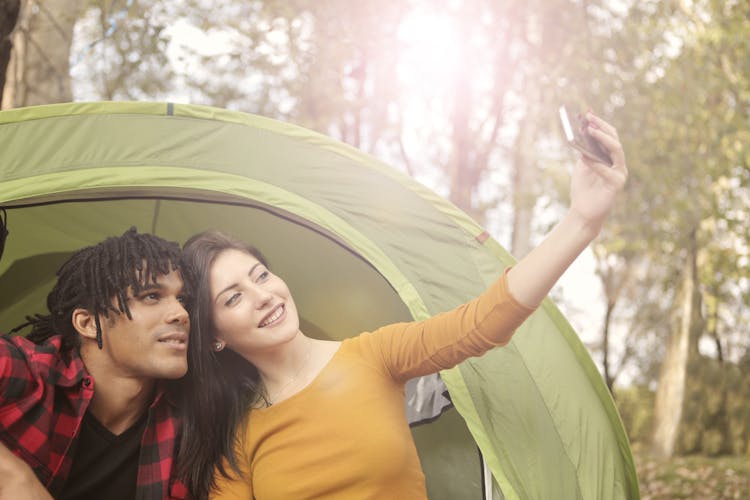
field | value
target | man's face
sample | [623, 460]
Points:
[153, 344]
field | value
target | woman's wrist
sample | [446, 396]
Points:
[586, 228]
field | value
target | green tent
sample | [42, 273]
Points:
[359, 244]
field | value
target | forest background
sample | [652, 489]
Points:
[463, 96]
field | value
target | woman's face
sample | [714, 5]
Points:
[252, 308]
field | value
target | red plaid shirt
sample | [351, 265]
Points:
[44, 394]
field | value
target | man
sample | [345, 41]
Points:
[83, 413]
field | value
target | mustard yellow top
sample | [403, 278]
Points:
[345, 435]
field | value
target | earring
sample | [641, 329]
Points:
[218, 345]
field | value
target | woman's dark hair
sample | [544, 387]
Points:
[97, 278]
[220, 387]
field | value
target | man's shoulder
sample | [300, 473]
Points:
[44, 359]
[18, 345]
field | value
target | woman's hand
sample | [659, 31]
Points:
[594, 186]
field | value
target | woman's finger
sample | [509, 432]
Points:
[611, 144]
[601, 124]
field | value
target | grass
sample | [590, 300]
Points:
[695, 477]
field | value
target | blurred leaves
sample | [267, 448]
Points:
[123, 54]
[692, 477]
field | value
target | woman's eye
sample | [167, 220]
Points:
[233, 299]
[263, 275]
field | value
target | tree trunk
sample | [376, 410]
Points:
[462, 168]
[524, 177]
[609, 377]
[671, 391]
[39, 71]
[615, 277]
[8, 18]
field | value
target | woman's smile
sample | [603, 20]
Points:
[275, 316]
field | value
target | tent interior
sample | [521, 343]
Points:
[337, 292]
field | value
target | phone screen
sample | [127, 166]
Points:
[576, 133]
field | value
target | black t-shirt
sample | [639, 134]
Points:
[104, 465]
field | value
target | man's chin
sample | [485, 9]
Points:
[174, 373]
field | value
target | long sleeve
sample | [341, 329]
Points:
[413, 349]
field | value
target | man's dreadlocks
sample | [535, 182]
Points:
[97, 278]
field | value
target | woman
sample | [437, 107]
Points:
[276, 414]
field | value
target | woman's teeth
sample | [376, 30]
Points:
[276, 315]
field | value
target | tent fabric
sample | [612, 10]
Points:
[426, 399]
[359, 244]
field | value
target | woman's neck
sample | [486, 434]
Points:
[284, 367]
[289, 369]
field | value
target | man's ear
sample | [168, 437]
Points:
[85, 323]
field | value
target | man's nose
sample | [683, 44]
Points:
[178, 313]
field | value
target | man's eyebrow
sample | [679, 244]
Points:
[151, 286]
[235, 284]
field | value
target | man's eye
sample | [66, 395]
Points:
[150, 296]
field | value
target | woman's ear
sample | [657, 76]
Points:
[218, 345]
[85, 323]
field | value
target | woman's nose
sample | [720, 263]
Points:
[262, 297]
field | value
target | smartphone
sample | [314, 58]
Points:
[577, 135]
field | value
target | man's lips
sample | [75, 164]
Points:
[178, 339]
[273, 316]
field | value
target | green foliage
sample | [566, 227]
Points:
[682, 105]
[636, 404]
[704, 427]
[128, 62]
[716, 413]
